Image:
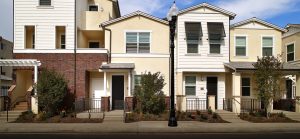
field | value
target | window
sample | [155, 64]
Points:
[1, 69]
[63, 41]
[240, 46]
[4, 91]
[94, 45]
[190, 85]
[60, 37]
[45, 2]
[216, 33]
[246, 86]
[267, 46]
[93, 8]
[137, 80]
[290, 52]
[2, 46]
[29, 37]
[193, 32]
[137, 42]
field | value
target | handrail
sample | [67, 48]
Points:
[11, 89]
[21, 98]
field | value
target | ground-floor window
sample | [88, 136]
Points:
[190, 85]
[4, 90]
[246, 86]
[137, 80]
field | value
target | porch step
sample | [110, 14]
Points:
[230, 116]
[12, 116]
[114, 116]
[21, 106]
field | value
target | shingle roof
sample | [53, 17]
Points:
[293, 25]
[249, 66]
[118, 66]
[137, 13]
[231, 14]
[254, 19]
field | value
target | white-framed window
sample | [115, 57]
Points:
[246, 86]
[137, 80]
[290, 52]
[216, 34]
[267, 46]
[193, 32]
[137, 42]
[93, 7]
[190, 85]
[240, 46]
[45, 2]
[63, 41]
[94, 44]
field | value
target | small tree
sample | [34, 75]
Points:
[149, 95]
[268, 76]
[52, 88]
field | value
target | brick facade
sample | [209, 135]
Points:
[64, 63]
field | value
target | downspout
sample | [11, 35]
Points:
[75, 51]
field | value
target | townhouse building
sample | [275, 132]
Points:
[6, 52]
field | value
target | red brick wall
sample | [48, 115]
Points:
[64, 64]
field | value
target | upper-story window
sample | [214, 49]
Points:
[94, 44]
[2, 45]
[93, 8]
[216, 33]
[45, 2]
[240, 46]
[29, 37]
[60, 37]
[290, 52]
[193, 32]
[267, 46]
[137, 42]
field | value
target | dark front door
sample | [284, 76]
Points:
[289, 89]
[212, 88]
[117, 92]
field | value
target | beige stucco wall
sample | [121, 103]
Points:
[159, 34]
[292, 39]
[23, 82]
[85, 36]
[254, 43]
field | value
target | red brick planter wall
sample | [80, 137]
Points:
[167, 102]
[105, 104]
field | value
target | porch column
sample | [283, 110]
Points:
[34, 99]
[129, 83]
[236, 92]
[298, 93]
[105, 84]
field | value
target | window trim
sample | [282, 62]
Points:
[190, 85]
[25, 36]
[137, 31]
[94, 41]
[273, 47]
[286, 51]
[39, 4]
[93, 5]
[235, 46]
[199, 39]
[246, 86]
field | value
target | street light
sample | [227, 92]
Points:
[172, 18]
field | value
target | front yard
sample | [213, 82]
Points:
[257, 117]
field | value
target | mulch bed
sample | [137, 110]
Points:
[203, 116]
[31, 118]
[274, 118]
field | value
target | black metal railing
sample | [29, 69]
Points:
[250, 104]
[195, 104]
[88, 105]
[227, 104]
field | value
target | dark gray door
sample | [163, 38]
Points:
[212, 88]
[289, 89]
[117, 92]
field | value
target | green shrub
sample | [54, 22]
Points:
[215, 115]
[203, 117]
[51, 89]
[149, 95]
[198, 112]
[209, 110]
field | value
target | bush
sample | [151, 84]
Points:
[209, 110]
[149, 95]
[198, 112]
[52, 89]
[215, 115]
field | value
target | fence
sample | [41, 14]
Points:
[194, 104]
[250, 104]
[227, 104]
[88, 105]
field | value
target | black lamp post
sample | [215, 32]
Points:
[172, 18]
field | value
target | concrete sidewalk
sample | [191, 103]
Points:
[150, 127]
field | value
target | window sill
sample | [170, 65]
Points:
[215, 55]
[45, 7]
[191, 54]
[242, 57]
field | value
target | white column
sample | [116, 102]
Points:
[236, 92]
[34, 99]
[105, 84]
[129, 83]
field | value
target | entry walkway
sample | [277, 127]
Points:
[230, 117]
[292, 115]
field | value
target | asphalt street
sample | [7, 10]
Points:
[153, 136]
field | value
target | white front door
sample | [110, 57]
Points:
[97, 91]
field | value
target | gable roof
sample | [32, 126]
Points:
[137, 13]
[231, 14]
[254, 19]
[293, 25]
